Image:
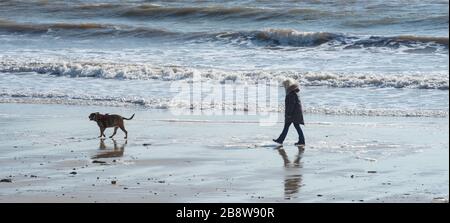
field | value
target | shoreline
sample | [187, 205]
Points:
[430, 113]
[226, 159]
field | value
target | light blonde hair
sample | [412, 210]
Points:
[290, 85]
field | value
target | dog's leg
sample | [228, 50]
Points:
[125, 131]
[102, 132]
[114, 133]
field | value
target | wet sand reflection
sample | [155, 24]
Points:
[110, 152]
[292, 182]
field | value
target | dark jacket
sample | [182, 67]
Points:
[293, 108]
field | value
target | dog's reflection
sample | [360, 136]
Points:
[292, 181]
[110, 152]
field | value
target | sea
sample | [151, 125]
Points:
[355, 57]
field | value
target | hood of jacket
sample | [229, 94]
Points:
[290, 85]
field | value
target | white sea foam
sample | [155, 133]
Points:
[416, 80]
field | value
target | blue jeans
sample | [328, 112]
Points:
[301, 138]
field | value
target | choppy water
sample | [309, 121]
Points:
[351, 57]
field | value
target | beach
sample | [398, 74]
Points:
[51, 153]
[205, 82]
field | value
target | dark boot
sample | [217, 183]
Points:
[277, 141]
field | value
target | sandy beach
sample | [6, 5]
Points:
[210, 83]
[51, 153]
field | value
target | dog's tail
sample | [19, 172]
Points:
[128, 118]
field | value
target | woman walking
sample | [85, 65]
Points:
[293, 113]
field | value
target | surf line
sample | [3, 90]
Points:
[187, 213]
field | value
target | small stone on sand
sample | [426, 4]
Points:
[97, 161]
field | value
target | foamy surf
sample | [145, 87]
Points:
[414, 80]
[185, 107]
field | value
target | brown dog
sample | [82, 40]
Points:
[109, 121]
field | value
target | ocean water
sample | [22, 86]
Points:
[363, 57]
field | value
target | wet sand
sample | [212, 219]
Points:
[51, 153]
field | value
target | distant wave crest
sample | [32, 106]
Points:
[81, 30]
[258, 38]
[142, 10]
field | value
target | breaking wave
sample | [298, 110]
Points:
[294, 38]
[172, 73]
[282, 37]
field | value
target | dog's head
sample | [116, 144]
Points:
[93, 116]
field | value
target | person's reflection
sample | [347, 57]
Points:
[110, 152]
[292, 181]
